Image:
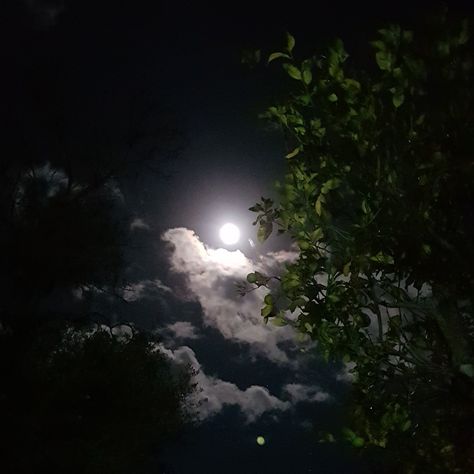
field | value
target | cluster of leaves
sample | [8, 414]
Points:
[378, 197]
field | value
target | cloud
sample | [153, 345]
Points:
[346, 374]
[139, 223]
[214, 394]
[210, 275]
[305, 393]
[144, 289]
[183, 330]
[122, 332]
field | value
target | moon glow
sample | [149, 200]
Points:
[229, 234]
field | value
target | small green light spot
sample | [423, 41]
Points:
[260, 440]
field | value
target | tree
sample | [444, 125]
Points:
[88, 400]
[378, 198]
[56, 238]
[75, 399]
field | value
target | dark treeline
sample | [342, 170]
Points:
[78, 395]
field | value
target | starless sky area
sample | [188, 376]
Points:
[88, 77]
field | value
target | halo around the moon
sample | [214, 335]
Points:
[229, 234]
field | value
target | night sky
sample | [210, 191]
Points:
[83, 77]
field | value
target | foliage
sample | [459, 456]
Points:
[76, 400]
[87, 401]
[59, 236]
[378, 197]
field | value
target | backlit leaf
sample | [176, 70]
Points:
[398, 99]
[293, 153]
[290, 42]
[277, 55]
[292, 71]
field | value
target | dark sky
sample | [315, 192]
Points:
[78, 75]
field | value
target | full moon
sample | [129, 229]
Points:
[229, 234]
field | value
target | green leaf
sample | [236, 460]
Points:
[464, 35]
[303, 244]
[467, 369]
[333, 98]
[252, 278]
[318, 234]
[420, 119]
[290, 42]
[398, 99]
[378, 44]
[264, 231]
[351, 85]
[406, 425]
[293, 153]
[277, 55]
[398, 73]
[266, 310]
[292, 71]
[358, 442]
[365, 207]
[318, 207]
[309, 327]
[279, 321]
[384, 60]
[426, 249]
[382, 258]
[330, 184]
[307, 76]
[305, 99]
[333, 298]
[346, 269]
[268, 299]
[348, 434]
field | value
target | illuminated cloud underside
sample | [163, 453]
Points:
[211, 275]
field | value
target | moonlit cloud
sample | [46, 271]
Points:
[214, 394]
[183, 330]
[145, 289]
[139, 223]
[305, 393]
[122, 332]
[346, 374]
[210, 276]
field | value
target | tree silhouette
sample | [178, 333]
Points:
[87, 400]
